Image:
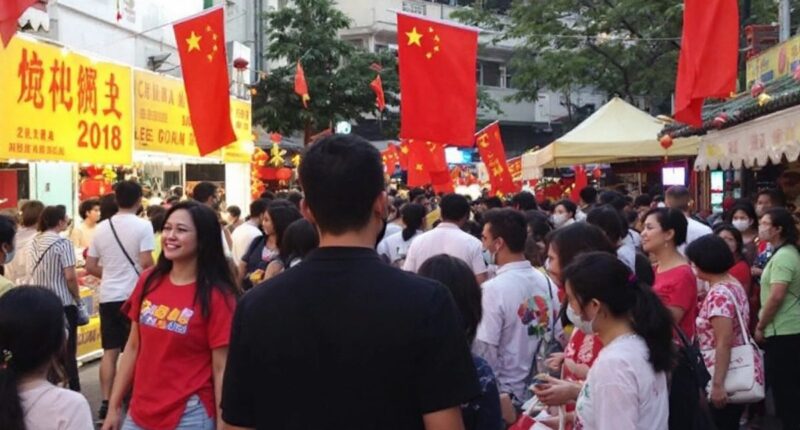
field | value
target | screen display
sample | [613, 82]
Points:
[674, 176]
[717, 180]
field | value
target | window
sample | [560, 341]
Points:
[414, 7]
[490, 74]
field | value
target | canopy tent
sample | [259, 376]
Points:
[617, 132]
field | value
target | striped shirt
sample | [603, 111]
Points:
[50, 271]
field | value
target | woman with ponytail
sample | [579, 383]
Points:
[627, 385]
[394, 248]
[32, 334]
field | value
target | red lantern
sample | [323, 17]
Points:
[757, 89]
[283, 174]
[275, 137]
[597, 173]
[665, 141]
[240, 63]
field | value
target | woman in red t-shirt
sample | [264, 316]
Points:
[664, 231]
[740, 269]
[181, 314]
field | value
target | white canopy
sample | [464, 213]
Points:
[617, 132]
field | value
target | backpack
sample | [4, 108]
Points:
[688, 405]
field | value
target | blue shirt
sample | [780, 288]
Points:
[483, 412]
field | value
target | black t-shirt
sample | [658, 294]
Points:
[345, 341]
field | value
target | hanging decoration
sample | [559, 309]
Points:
[665, 141]
[276, 155]
[757, 88]
[720, 120]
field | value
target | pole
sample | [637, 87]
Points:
[785, 20]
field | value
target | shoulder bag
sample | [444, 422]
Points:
[740, 381]
[119, 242]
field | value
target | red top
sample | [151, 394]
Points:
[677, 287]
[741, 271]
[175, 344]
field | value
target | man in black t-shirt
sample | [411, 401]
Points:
[343, 340]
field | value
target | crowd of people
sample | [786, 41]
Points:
[354, 306]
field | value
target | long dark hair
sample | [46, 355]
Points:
[737, 236]
[578, 238]
[413, 216]
[213, 270]
[31, 334]
[601, 276]
[51, 216]
[781, 217]
[300, 238]
[459, 279]
[282, 213]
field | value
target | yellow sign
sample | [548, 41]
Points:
[775, 62]
[163, 123]
[59, 105]
[89, 337]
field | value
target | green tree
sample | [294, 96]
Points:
[338, 74]
[623, 47]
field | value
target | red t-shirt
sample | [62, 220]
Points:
[741, 271]
[175, 344]
[677, 287]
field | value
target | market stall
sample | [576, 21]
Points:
[617, 132]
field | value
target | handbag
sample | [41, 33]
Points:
[83, 313]
[740, 381]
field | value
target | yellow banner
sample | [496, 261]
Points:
[163, 123]
[775, 62]
[60, 105]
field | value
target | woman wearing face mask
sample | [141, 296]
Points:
[743, 217]
[718, 323]
[626, 388]
[564, 247]
[7, 232]
[664, 231]
[564, 213]
[779, 323]
[53, 267]
[740, 269]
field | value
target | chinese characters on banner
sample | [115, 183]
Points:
[163, 123]
[490, 147]
[515, 168]
[63, 106]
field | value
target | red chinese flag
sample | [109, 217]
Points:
[390, 159]
[377, 86]
[437, 80]
[10, 11]
[493, 154]
[581, 182]
[300, 85]
[201, 45]
[402, 154]
[709, 53]
[426, 162]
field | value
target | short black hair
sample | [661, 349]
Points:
[613, 198]
[342, 175]
[775, 196]
[51, 216]
[493, 202]
[642, 200]
[589, 194]
[257, 208]
[737, 236]
[710, 254]
[509, 225]
[671, 219]
[204, 191]
[745, 207]
[234, 210]
[269, 195]
[7, 230]
[569, 205]
[538, 224]
[128, 193]
[610, 221]
[781, 217]
[108, 206]
[455, 207]
[682, 195]
[157, 215]
[295, 198]
[415, 193]
[459, 279]
[86, 206]
[524, 201]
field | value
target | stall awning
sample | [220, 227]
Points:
[617, 132]
[754, 143]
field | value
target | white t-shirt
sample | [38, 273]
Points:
[626, 253]
[634, 237]
[392, 228]
[394, 247]
[242, 237]
[518, 310]
[17, 270]
[694, 230]
[448, 239]
[119, 277]
[46, 406]
[622, 391]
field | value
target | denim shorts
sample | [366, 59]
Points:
[194, 417]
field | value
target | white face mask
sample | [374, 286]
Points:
[741, 224]
[578, 322]
[559, 219]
